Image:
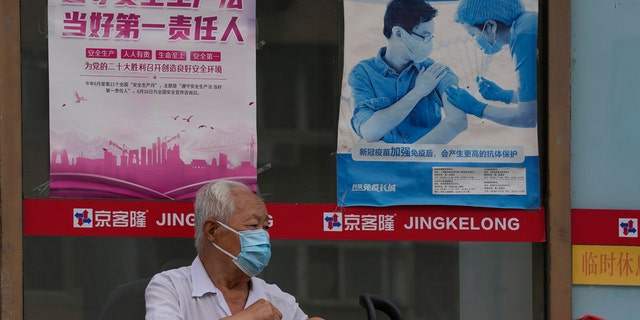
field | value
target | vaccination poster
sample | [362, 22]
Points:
[150, 99]
[439, 104]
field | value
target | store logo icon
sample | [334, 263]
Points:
[82, 218]
[333, 221]
[627, 228]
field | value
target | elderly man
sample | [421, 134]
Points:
[233, 247]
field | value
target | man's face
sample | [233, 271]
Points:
[419, 41]
[250, 214]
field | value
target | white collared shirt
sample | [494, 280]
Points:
[187, 293]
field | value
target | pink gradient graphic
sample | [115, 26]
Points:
[157, 172]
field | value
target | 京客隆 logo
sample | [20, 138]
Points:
[333, 221]
[628, 227]
[82, 218]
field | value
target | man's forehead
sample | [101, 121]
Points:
[249, 217]
[249, 206]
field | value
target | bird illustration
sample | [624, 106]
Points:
[79, 98]
[176, 117]
[205, 126]
[188, 119]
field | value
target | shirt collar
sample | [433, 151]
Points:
[256, 292]
[202, 284]
[381, 64]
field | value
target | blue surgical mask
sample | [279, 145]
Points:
[487, 47]
[255, 250]
[419, 50]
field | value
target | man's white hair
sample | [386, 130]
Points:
[214, 201]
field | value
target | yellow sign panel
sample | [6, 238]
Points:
[606, 265]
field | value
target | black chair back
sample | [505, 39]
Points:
[371, 303]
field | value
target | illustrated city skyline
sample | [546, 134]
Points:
[156, 172]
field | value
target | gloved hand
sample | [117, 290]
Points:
[491, 91]
[465, 101]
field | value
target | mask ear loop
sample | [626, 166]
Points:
[495, 34]
[228, 228]
[223, 251]
[220, 248]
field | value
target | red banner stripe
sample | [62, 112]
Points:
[605, 227]
[122, 218]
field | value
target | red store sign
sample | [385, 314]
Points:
[124, 218]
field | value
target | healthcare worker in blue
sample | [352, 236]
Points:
[494, 24]
[399, 94]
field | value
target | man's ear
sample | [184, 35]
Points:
[397, 31]
[209, 228]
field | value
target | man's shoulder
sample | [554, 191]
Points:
[174, 282]
[365, 64]
[373, 63]
[182, 274]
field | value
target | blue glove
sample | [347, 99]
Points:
[465, 101]
[491, 91]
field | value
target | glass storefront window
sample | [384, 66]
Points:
[299, 74]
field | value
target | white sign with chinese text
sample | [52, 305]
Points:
[150, 99]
